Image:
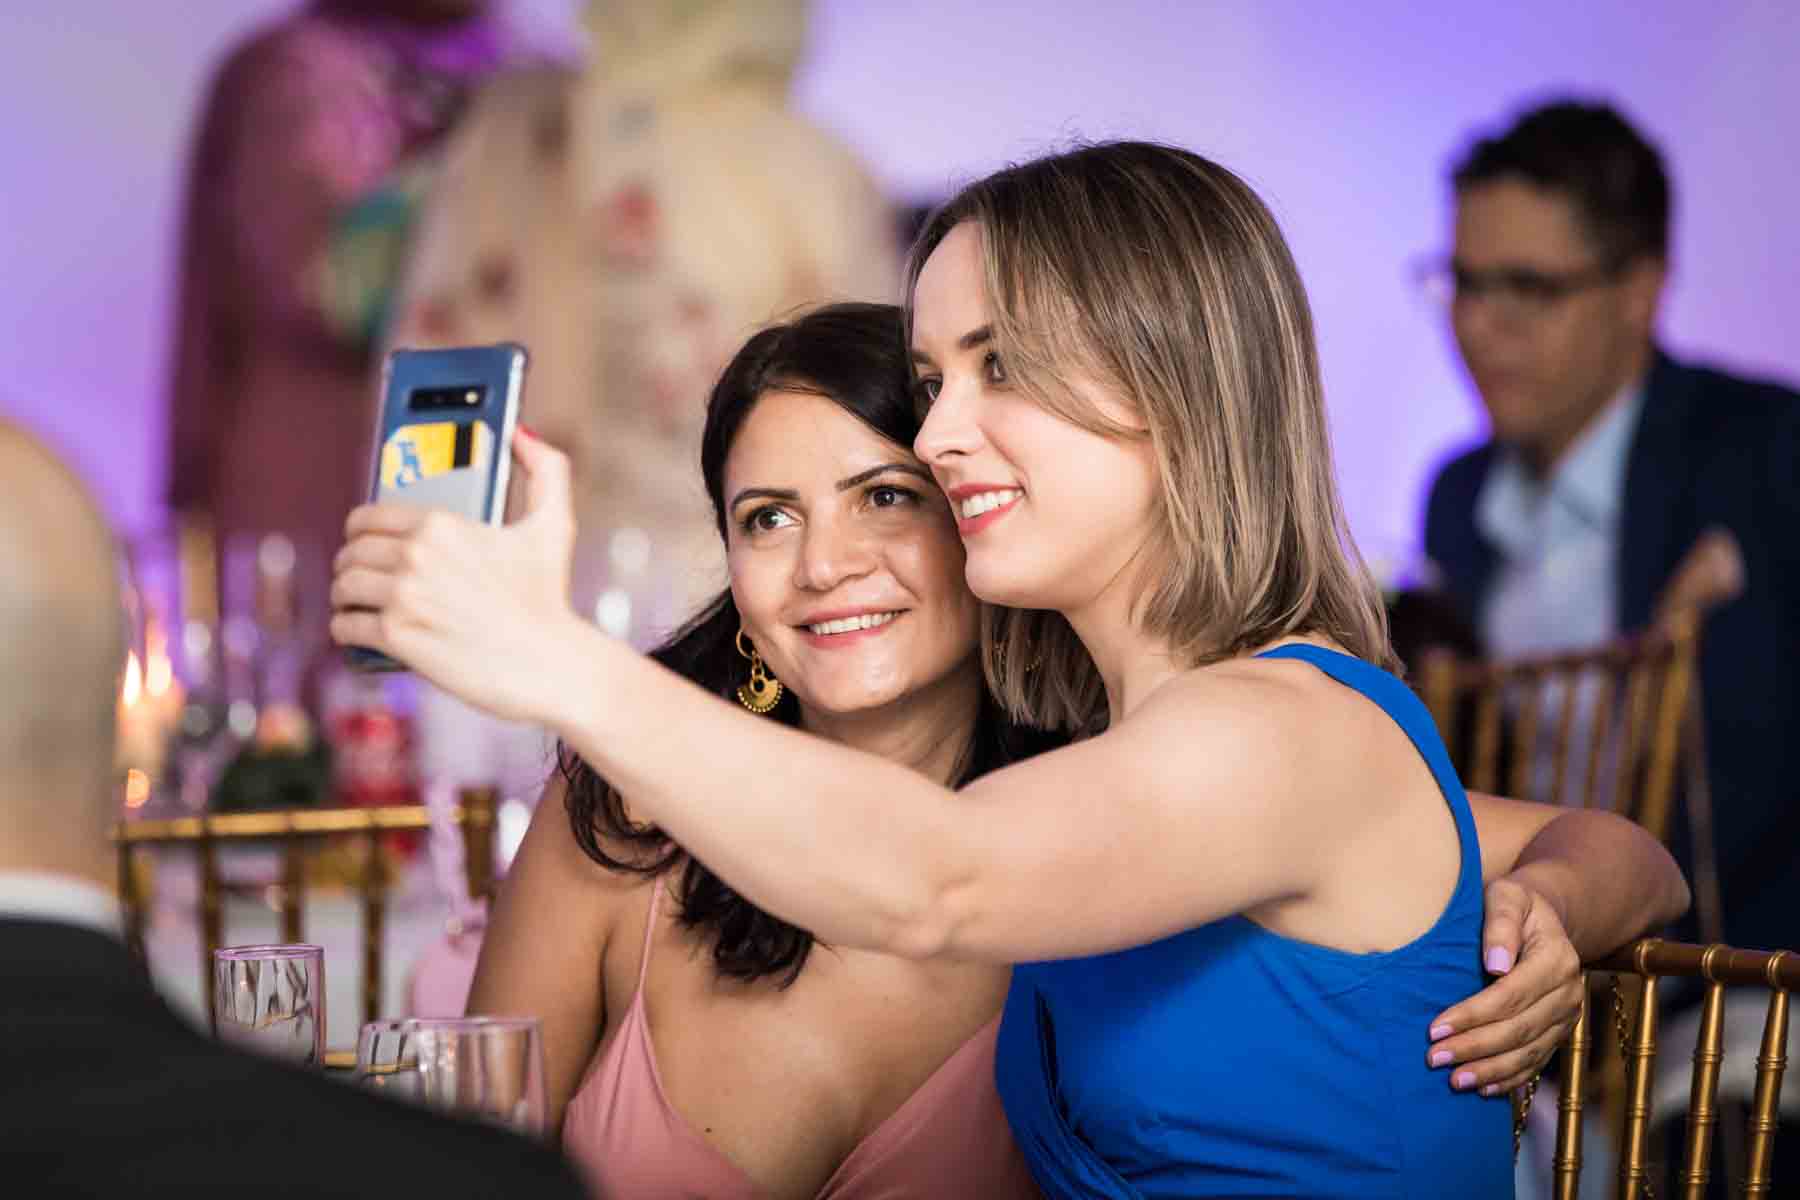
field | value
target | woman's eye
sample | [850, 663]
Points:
[925, 391]
[889, 496]
[766, 520]
[992, 367]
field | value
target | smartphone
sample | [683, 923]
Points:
[443, 438]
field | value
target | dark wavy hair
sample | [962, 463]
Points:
[1594, 157]
[854, 355]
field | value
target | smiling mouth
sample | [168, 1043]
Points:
[851, 624]
[984, 502]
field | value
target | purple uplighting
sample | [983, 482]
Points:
[1344, 118]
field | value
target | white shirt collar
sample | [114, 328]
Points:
[1589, 481]
[42, 896]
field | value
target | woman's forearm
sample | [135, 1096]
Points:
[853, 848]
[1607, 878]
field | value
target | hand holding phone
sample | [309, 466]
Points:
[444, 437]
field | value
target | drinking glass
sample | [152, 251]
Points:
[387, 1059]
[489, 1068]
[271, 999]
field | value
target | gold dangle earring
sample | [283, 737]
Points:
[762, 691]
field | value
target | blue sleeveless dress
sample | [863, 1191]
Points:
[1231, 1061]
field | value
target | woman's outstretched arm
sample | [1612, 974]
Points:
[864, 852]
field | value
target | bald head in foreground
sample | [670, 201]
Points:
[62, 645]
[103, 1090]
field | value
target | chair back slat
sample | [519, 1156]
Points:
[212, 918]
[1640, 678]
[1485, 768]
[1569, 698]
[1640, 1071]
[131, 899]
[1764, 1108]
[1599, 726]
[1703, 1096]
[1530, 693]
[480, 813]
[1673, 710]
[291, 896]
[372, 887]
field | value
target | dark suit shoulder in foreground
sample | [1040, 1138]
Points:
[106, 1092]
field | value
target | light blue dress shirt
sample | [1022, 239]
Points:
[1555, 585]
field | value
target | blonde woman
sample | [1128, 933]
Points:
[1247, 895]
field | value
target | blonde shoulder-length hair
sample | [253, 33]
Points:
[1161, 275]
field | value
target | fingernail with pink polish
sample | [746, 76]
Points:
[1499, 960]
[1463, 1079]
[1439, 1032]
[1490, 1089]
[1440, 1058]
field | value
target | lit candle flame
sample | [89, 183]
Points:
[134, 681]
[159, 673]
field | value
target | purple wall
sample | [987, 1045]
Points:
[1343, 115]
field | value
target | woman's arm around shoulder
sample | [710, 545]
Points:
[1607, 878]
[1563, 885]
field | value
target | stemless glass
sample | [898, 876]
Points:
[271, 999]
[387, 1059]
[489, 1068]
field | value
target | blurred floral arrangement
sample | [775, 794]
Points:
[285, 765]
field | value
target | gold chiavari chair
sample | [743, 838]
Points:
[1633, 1023]
[293, 831]
[1601, 728]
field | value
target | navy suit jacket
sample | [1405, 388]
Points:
[1710, 450]
[105, 1092]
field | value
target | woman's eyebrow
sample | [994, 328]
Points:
[763, 493]
[975, 337]
[844, 485]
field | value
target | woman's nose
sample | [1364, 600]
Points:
[949, 428]
[831, 552]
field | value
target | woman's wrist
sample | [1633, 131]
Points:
[1550, 882]
[576, 670]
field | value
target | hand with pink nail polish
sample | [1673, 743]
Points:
[1502, 1035]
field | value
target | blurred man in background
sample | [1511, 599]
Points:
[1621, 487]
[103, 1091]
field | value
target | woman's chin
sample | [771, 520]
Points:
[994, 583]
[842, 704]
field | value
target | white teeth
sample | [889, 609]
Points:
[852, 624]
[975, 505]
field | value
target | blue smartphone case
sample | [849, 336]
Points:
[444, 437]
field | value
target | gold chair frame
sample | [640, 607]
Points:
[1645, 686]
[1719, 967]
[475, 813]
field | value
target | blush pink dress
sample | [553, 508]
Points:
[949, 1139]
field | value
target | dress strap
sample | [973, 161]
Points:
[649, 932]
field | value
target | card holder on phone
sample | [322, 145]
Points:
[439, 464]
